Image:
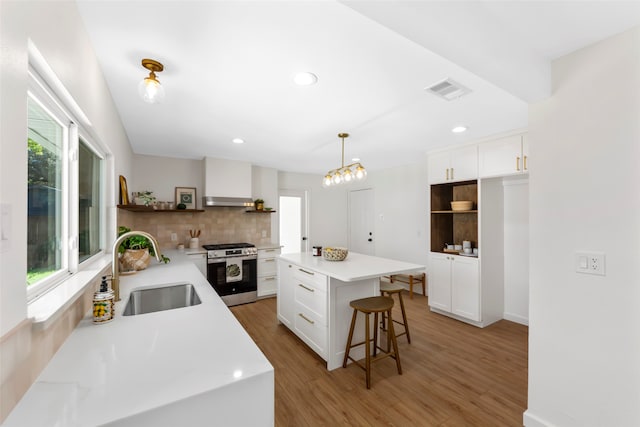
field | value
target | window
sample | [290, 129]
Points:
[65, 196]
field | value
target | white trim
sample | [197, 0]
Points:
[531, 420]
[516, 318]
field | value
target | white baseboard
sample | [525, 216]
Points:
[531, 420]
[516, 318]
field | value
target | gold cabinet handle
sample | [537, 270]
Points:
[304, 287]
[311, 273]
[270, 260]
[451, 173]
[525, 162]
[517, 163]
[306, 318]
[447, 174]
[270, 278]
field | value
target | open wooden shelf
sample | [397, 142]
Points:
[454, 212]
[449, 226]
[141, 208]
[257, 211]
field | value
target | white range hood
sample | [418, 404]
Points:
[226, 183]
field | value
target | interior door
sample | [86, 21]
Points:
[361, 222]
[293, 221]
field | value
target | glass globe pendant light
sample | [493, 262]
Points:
[150, 89]
[344, 174]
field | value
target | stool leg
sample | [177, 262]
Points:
[404, 317]
[348, 348]
[424, 284]
[367, 349]
[392, 335]
[410, 286]
[375, 333]
[382, 323]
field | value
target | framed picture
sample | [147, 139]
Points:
[186, 196]
[124, 192]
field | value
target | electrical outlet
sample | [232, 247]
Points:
[590, 263]
[174, 237]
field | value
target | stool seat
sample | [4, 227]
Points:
[391, 288]
[375, 305]
[372, 304]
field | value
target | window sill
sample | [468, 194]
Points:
[44, 310]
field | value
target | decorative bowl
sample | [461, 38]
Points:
[462, 205]
[334, 253]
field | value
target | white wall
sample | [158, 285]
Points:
[327, 208]
[58, 33]
[516, 250]
[401, 220]
[163, 174]
[265, 186]
[584, 336]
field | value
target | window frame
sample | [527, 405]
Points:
[42, 93]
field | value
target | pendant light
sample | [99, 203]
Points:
[344, 174]
[150, 89]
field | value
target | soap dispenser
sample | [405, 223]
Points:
[103, 303]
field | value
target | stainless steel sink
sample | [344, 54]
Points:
[165, 297]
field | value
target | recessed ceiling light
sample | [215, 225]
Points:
[238, 141]
[459, 129]
[305, 78]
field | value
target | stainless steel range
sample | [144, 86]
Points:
[232, 271]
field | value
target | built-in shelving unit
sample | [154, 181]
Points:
[452, 227]
[141, 208]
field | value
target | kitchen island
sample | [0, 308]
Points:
[314, 296]
[191, 366]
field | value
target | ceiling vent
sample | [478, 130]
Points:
[448, 89]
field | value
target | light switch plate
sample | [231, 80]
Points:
[590, 263]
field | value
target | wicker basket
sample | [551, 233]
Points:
[334, 254]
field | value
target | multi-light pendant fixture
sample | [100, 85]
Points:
[150, 88]
[344, 174]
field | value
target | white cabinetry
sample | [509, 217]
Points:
[286, 295]
[267, 271]
[303, 304]
[504, 156]
[454, 285]
[200, 260]
[458, 164]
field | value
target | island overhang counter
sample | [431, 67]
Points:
[314, 296]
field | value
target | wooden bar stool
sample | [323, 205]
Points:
[367, 306]
[389, 289]
[411, 279]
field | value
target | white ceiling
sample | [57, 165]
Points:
[229, 67]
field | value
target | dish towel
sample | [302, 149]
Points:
[234, 269]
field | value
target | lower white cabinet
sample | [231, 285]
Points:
[454, 285]
[200, 260]
[303, 304]
[267, 271]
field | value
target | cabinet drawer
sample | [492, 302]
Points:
[267, 285]
[268, 253]
[311, 278]
[313, 299]
[311, 330]
[267, 267]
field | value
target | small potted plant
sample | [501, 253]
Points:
[259, 204]
[145, 198]
[136, 252]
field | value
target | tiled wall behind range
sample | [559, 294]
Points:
[216, 225]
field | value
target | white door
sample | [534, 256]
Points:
[293, 221]
[440, 281]
[361, 223]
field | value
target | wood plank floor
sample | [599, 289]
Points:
[454, 374]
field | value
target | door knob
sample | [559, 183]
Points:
[304, 238]
[369, 240]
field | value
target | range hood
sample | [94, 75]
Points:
[215, 201]
[227, 183]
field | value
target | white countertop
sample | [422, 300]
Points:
[108, 372]
[355, 267]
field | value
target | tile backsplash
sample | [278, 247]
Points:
[216, 225]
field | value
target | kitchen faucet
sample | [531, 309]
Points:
[115, 263]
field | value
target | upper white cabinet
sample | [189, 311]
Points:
[458, 164]
[504, 156]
